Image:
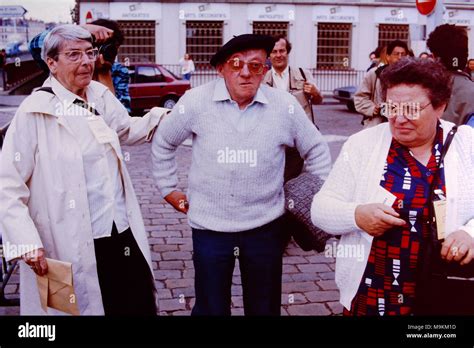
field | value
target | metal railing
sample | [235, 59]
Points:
[15, 74]
[198, 77]
[326, 80]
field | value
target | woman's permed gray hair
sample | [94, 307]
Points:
[428, 74]
[59, 35]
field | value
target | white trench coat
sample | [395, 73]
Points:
[43, 192]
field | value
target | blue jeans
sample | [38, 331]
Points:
[260, 253]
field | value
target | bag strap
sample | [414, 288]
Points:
[76, 101]
[303, 74]
[310, 101]
[45, 89]
[446, 145]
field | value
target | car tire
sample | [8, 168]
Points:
[351, 106]
[169, 102]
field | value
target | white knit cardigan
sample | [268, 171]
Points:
[354, 180]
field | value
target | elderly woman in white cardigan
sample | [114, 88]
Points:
[377, 194]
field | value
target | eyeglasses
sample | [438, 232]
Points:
[237, 65]
[411, 111]
[76, 55]
[399, 54]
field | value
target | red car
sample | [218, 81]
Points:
[152, 85]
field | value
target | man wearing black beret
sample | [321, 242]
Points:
[235, 198]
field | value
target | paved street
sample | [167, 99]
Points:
[308, 277]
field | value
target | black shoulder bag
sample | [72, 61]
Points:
[443, 288]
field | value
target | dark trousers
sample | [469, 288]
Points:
[260, 253]
[125, 279]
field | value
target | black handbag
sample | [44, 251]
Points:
[443, 288]
[299, 193]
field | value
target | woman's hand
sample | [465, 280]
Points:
[459, 247]
[36, 259]
[376, 218]
[178, 200]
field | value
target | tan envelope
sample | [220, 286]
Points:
[56, 287]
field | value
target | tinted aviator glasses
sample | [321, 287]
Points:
[237, 65]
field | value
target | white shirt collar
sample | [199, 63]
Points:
[222, 94]
[284, 73]
[64, 95]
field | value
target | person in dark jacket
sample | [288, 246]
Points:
[449, 44]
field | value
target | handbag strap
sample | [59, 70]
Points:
[446, 145]
[76, 101]
[310, 101]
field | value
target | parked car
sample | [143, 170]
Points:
[153, 85]
[346, 96]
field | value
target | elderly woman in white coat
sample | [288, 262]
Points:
[65, 190]
[377, 194]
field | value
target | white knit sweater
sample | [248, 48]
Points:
[354, 180]
[228, 194]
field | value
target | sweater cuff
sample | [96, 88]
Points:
[469, 228]
[334, 217]
[364, 234]
[14, 250]
[352, 206]
[167, 190]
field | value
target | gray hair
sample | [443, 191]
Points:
[59, 35]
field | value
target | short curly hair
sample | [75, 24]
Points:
[397, 43]
[425, 73]
[450, 43]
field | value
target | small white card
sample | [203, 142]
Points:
[440, 214]
[384, 197]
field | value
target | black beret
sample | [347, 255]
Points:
[242, 43]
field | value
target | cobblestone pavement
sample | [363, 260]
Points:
[308, 277]
[308, 285]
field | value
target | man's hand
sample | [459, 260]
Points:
[376, 111]
[100, 33]
[178, 200]
[310, 90]
[376, 218]
[459, 247]
[36, 259]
